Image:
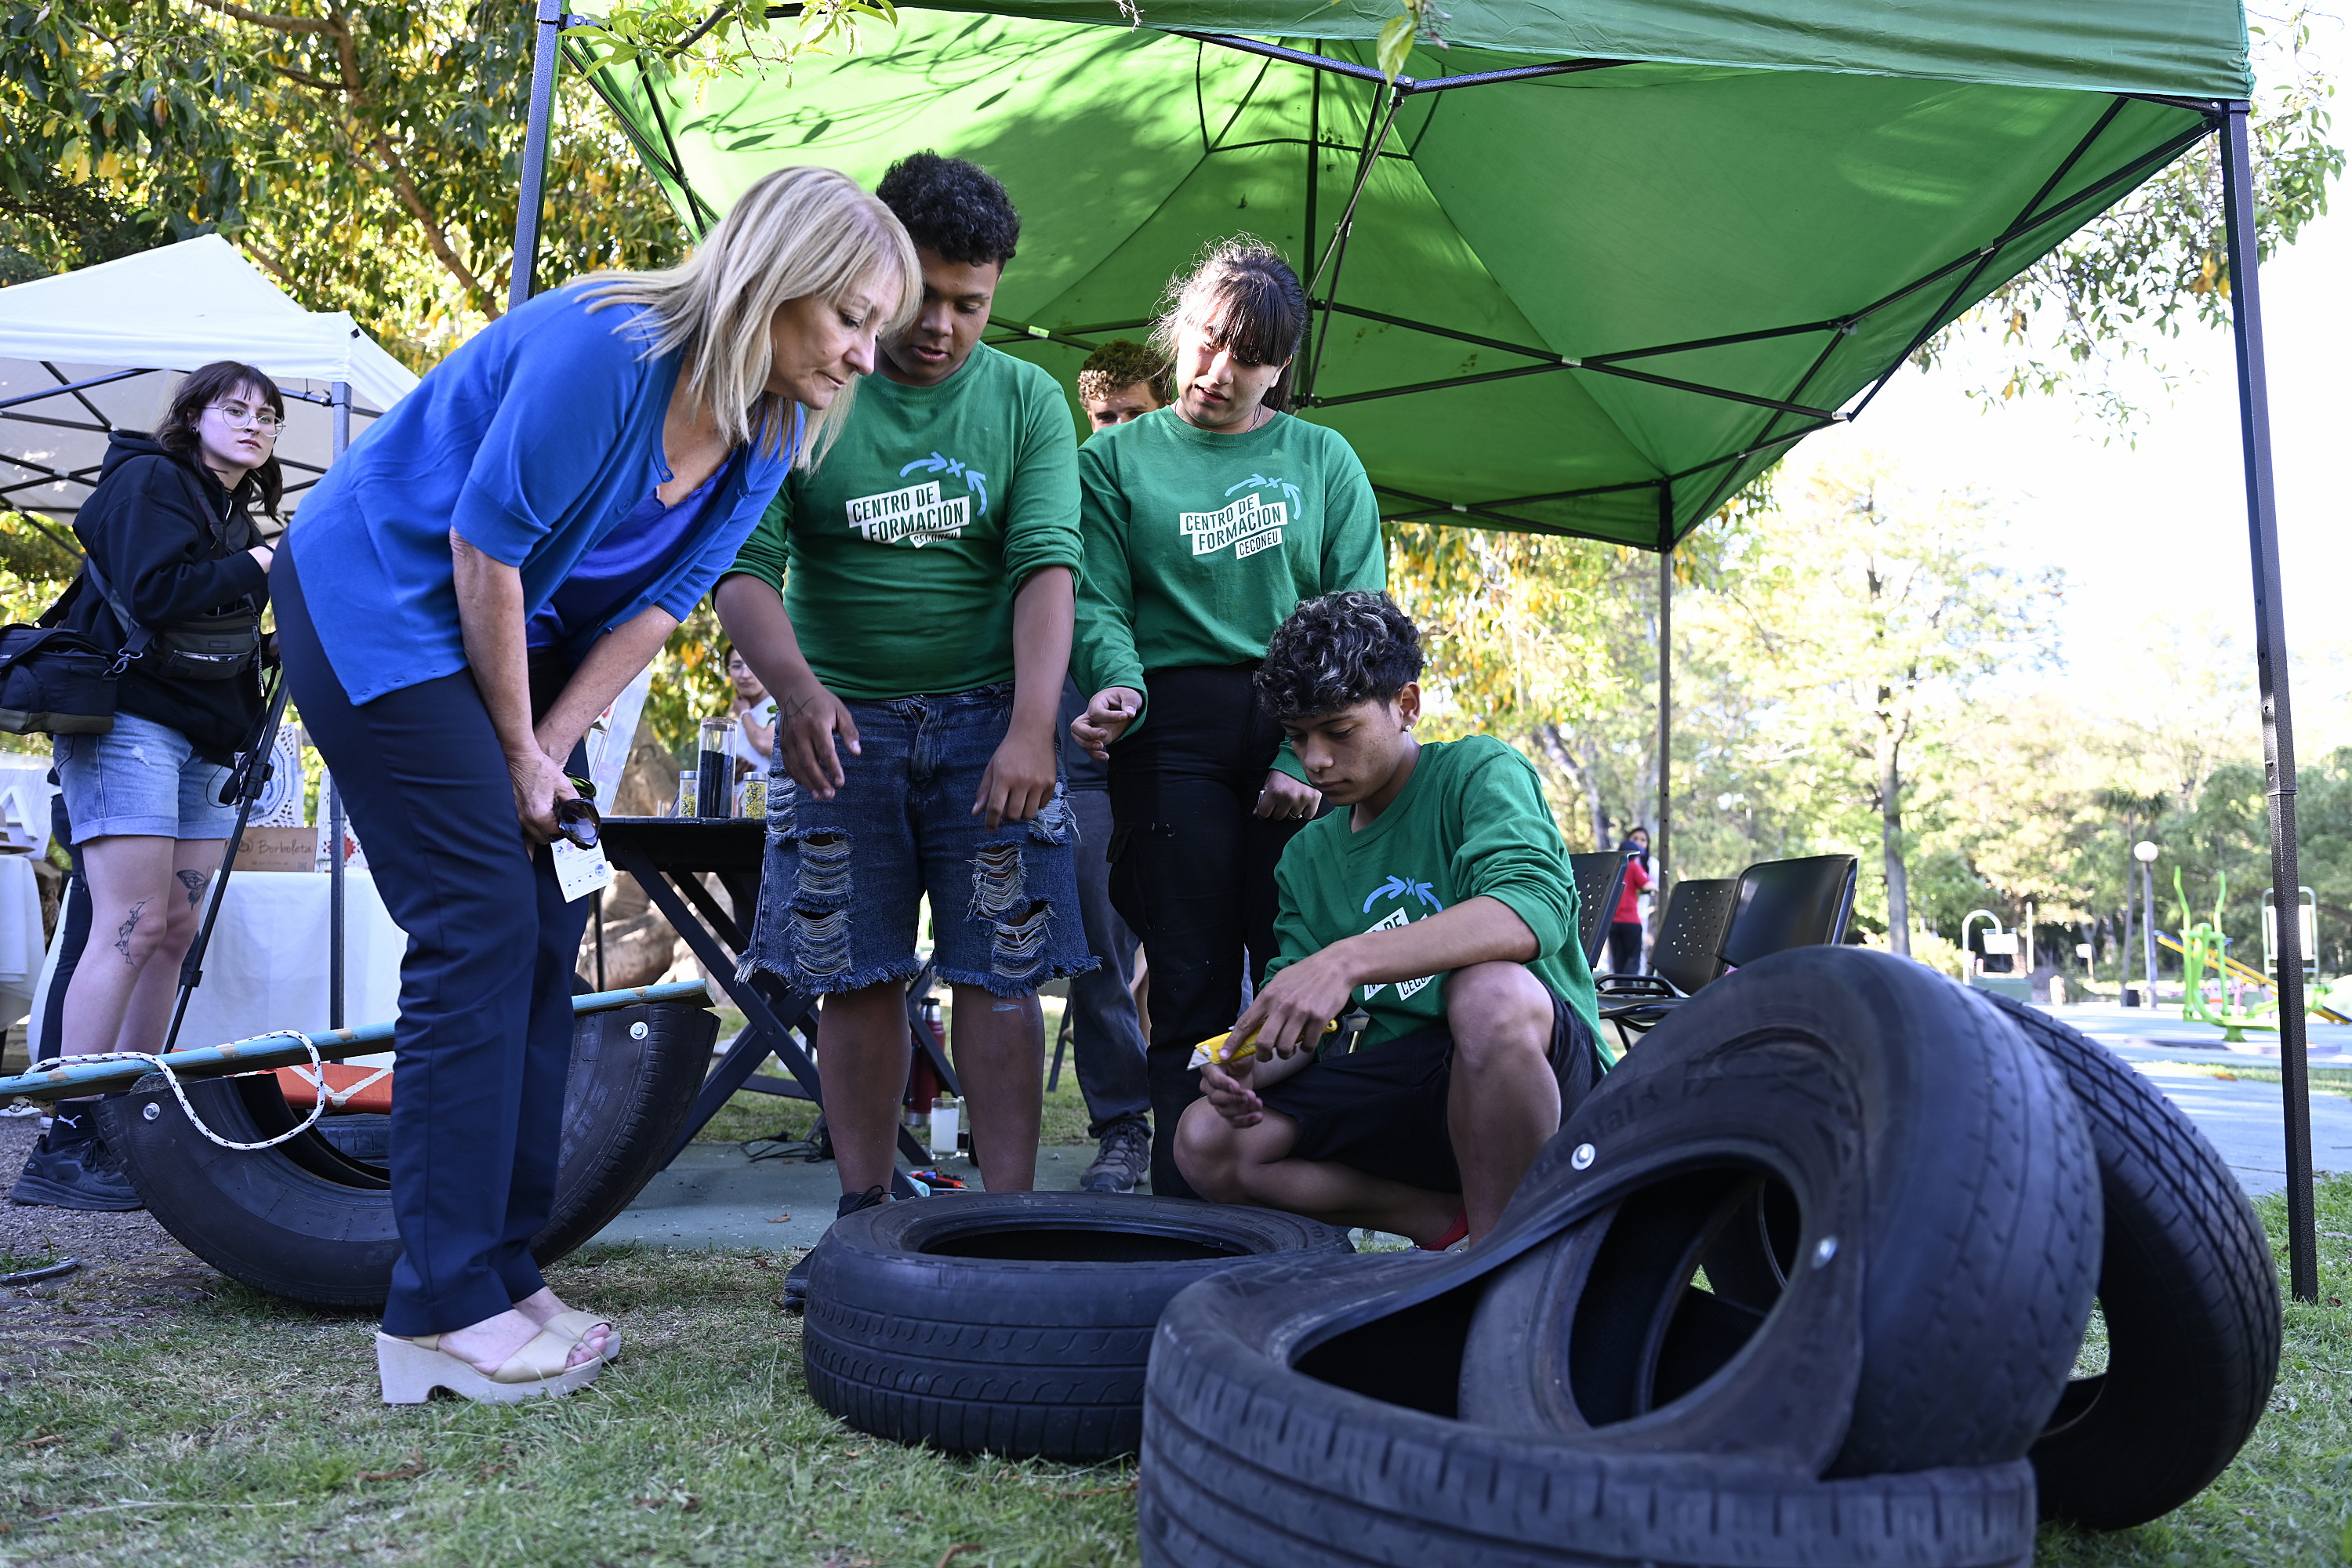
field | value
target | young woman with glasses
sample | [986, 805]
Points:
[171, 549]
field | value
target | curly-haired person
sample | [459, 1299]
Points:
[1436, 897]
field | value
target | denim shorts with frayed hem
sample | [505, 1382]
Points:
[844, 878]
[141, 777]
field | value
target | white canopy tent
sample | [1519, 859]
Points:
[86, 352]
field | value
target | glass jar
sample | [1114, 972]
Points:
[714, 763]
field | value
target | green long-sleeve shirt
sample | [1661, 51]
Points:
[1198, 545]
[1471, 822]
[899, 557]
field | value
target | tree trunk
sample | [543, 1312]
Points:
[1890, 842]
[1555, 746]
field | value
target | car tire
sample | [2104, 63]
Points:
[2189, 1293]
[1248, 1458]
[1894, 1201]
[306, 1221]
[1016, 1323]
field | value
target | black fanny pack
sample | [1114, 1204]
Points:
[210, 647]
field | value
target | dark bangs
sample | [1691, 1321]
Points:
[1260, 321]
[214, 383]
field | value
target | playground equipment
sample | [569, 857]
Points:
[1996, 943]
[2203, 946]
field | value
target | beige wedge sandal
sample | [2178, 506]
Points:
[577, 1323]
[413, 1368]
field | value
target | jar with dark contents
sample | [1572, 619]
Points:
[715, 769]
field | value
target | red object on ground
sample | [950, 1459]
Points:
[349, 1088]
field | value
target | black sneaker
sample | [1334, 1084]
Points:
[1121, 1163]
[796, 1278]
[81, 1174]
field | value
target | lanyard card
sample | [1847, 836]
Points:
[580, 872]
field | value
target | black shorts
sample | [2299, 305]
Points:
[1382, 1109]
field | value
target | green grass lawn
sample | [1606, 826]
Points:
[237, 1430]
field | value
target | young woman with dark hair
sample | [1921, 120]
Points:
[1625, 920]
[1206, 523]
[170, 548]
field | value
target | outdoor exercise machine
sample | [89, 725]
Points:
[1545, 344]
[2204, 949]
[1996, 943]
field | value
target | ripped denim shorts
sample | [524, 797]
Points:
[844, 878]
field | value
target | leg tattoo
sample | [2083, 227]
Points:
[122, 933]
[194, 882]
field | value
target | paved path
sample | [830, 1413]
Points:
[716, 1195]
[2243, 1118]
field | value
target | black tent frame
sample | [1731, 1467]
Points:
[1715, 480]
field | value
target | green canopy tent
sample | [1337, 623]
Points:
[1582, 271]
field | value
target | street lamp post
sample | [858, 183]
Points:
[2144, 853]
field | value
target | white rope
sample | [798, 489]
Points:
[164, 1065]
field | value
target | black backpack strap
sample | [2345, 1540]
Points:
[135, 637]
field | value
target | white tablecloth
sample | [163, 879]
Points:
[267, 968]
[20, 937]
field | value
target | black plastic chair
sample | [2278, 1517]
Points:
[1775, 905]
[1599, 882]
[1783, 904]
[1687, 955]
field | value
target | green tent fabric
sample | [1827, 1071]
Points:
[1594, 296]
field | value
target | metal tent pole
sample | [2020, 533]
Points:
[1666, 688]
[544, 53]
[340, 395]
[2271, 666]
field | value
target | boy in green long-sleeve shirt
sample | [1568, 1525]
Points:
[908, 604]
[1437, 900]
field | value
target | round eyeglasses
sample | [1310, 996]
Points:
[240, 417]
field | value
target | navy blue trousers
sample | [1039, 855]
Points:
[484, 1039]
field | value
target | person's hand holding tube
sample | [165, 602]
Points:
[490, 618]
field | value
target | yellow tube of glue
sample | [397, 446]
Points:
[1214, 1049]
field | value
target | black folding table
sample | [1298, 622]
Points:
[669, 856]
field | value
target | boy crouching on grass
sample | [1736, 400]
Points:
[1437, 900]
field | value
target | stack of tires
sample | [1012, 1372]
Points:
[1802, 1283]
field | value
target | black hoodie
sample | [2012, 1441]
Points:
[171, 541]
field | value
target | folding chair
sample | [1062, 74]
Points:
[1687, 954]
[1789, 903]
[1599, 882]
[1776, 905]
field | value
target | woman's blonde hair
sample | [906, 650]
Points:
[797, 232]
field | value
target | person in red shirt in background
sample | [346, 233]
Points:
[1625, 927]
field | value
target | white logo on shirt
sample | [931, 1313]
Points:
[1400, 887]
[1249, 525]
[914, 516]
